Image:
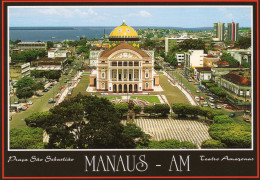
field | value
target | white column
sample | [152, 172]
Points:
[117, 64]
[122, 76]
[117, 74]
[127, 74]
[133, 75]
[108, 76]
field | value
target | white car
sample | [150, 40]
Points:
[218, 106]
[29, 103]
[197, 98]
[224, 105]
[197, 91]
[212, 105]
[211, 99]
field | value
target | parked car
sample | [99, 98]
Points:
[229, 107]
[190, 79]
[205, 104]
[224, 105]
[46, 90]
[201, 98]
[232, 115]
[197, 98]
[212, 105]
[51, 100]
[197, 91]
[29, 103]
[218, 106]
[211, 99]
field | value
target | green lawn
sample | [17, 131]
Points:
[172, 93]
[150, 99]
[82, 86]
[112, 97]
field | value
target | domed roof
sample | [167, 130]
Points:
[123, 30]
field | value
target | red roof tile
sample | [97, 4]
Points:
[237, 79]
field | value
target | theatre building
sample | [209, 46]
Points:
[124, 67]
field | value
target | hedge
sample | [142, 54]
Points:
[223, 119]
[169, 144]
[213, 144]
[234, 135]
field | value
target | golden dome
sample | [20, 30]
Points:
[123, 30]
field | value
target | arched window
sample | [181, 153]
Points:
[103, 86]
[146, 85]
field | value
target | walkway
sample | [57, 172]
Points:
[182, 130]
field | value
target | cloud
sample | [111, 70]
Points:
[68, 12]
[141, 13]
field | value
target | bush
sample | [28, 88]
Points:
[137, 109]
[218, 91]
[204, 82]
[223, 119]
[162, 109]
[157, 67]
[210, 85]
[213, 144]
[169, 144]
[234, 135]
[149, 109]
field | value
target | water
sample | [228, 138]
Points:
[31, 34]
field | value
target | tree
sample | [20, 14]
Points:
[228, 58]
[213, 144]
[27, 138]
[148, 43]
[39, 119]
[149, 110]
[171, 59]
[137, 109]
[25, 87]
[244, 42]
[86, 122]
[121, 108]
[192, 44]
[246, 65]
[218, 91]
[162, 109]
[50, 44]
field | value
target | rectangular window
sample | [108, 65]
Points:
[248, 92]
[241, 93]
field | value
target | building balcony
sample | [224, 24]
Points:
[125, 80]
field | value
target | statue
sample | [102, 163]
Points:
[130, 114]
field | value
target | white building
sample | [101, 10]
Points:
[193, 58]
[170, 42]
[241, 55]
[93, 57]
[180, 58]
[57, 53]
[202, 73]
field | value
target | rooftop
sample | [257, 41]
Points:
[199, 69]
[237, 79]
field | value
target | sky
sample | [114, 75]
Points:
[162, 16]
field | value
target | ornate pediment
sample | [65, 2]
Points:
[124, 55]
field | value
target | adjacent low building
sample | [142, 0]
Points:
[238, 90]
[193, 59]
[18, 71]
[180, 59]
[241, 55]
[31, 45]
[210, 61]
[202, 73]
[45, 63]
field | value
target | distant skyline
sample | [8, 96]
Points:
[161, 16]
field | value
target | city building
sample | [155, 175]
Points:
[124, 67]
[18, 71]
[202, 73]
[210, 61]
[57, 53]
[219, 30]
[180, 59]
[221, 70]
[215, 53]
[93, 57]
[171, 42]
[31, 45]
[193, 58]
[241, 55]
[238, 89]
[232, 32]
[45, 63]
